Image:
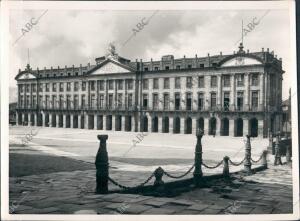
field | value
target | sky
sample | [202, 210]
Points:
[74, 37]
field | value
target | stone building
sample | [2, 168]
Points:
[227, 95]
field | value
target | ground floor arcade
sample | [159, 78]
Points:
[219, 125]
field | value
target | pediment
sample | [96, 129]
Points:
[110, 67]
[26, 76]
[240, 61]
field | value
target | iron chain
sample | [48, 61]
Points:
[128, 187]
[183, 175]
[256, 161]
[237, 164]
[212, 167]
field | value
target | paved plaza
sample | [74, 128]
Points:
[69, 189]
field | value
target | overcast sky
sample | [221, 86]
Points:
[64, 37]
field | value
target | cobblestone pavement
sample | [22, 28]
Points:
[73, 193]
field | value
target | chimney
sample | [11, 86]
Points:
[19, 70]
[262, 49]
[196, 55]
[247, 51]
[276, 56]
[221, 53]
[233, 52]
[267, 49]
[58, 67]
[280, 59]
[272, 53]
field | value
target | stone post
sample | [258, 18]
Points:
[277, 151]
[226, 167]
[198, 158]
[101, 163]
[288, 153]
[247, 164]
[270, 147]
[264, 159]
[158, 173]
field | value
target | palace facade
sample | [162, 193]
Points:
[227, 95]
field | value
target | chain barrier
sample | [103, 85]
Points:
[128, 187]
[256, 161]
[212, 167]
[177, 177]
[237, 164]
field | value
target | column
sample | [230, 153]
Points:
[171, 120]
[261, 91]
[64, 121]
[71, 120]
[17, 118]
[43, 119]
[231, 127]
[206, 126]
[149, 122]
[86, 121]
[57, 120]
[218, 126]
[79, 121]
[194, 125]
[113, 123]
[219, 92]
[160, 123]
[35, 119]
[23, 119]
[104, 122]
[123, 123]
[182, 125]
[50, 120]
[132, 123]
[260, 129]
[245, 127]
[95, 122]
[233, 92]
[247, 87]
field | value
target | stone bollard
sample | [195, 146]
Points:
[198, 158]
[101, 163]
[226, 167]
[288, 154]
[264, 159]
[277, 152]
[270, 147]
[247, 164]
[158, 173]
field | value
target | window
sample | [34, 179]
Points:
[120, 84]
[240, 80]
[226, 80]
[61, 87]
[47, 101]
[189, 66]
[201, 82]
[68, 101]
[226, 101]
[155, 83]
[120, 99]
[27, 87]
[54, 87]
[166, 83]
[254, 79]
[130, 99]
[145, 84]
[93, 101]
[76, 103]
[83, 86]
[101, 100]
[76, 73]
[110, 85]
[177, 101]
[92, 85]
[33, 101]
[213, 100]
[21, 88]
[240, 100]
[201, 65]
[177, 67]
[68, 86]
[177, 83]
[145, 69]
[54, 101]
[166, 102]
[145, 101]
[40, 100]
[47, 87]
[83, 101]
[101, 85]
[76, 86]
[254, 100]
[130, 84]
[155, 101]
[156, 68]
[40, 87]
[214, 64]
[28, 101]
[167, 68]
[33, 87]
[200, 101]
[110, 100]
[189, 82]
[69, 74]
[188, 101]
[213, 81]
[21, 101]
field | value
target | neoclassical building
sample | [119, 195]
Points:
[227, 95]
